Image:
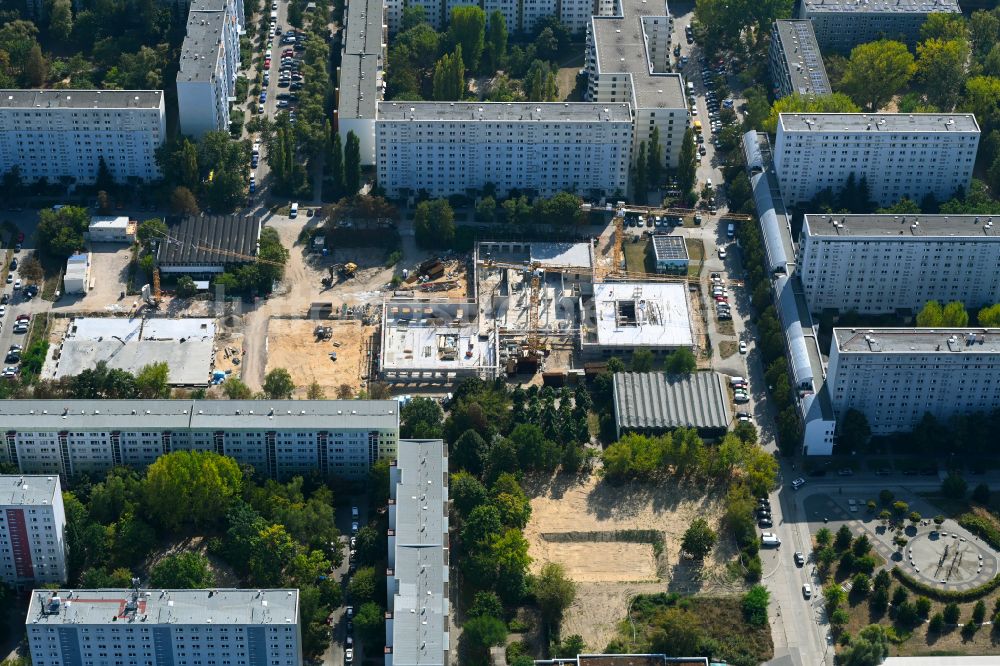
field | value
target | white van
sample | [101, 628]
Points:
[769, 540]
[274, 15]
[733, 381]
[690, 87]
[294, 210]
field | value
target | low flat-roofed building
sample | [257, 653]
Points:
[671, 254]
[434, 342]
[168, 626]
[843, 24]
[76, 280]
[890, 263]
[656, 402]
[208, 244]
[624, 660]
[32, 531]
[417, 624]
[896, 375]
[795, 61]
[624, 316]
[111, 229]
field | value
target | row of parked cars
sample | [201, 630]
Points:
[351, 568]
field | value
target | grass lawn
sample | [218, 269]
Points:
[52, 268]
[638, 257]
[725, 327]
[696, 253]
[727, 348]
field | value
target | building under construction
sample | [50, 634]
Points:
[535, 307]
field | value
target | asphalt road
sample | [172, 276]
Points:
[27, 222]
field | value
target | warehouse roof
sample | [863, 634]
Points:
[917, 340]
[658, 401]
[48, 415]
[215, 606]
[209, 240]
[903, 227]
[506, 111]
[878, 122]
[81, 99]
[26, 490]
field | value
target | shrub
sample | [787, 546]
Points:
[982, 527]
[899, 596]
[954, 486]
[952, 613]
[936, 623]
[979, 612]
[981, 494]
[924, 606]
[755, 603]
[886, 497]
[946, 595]
[878, 602]
[907, 615]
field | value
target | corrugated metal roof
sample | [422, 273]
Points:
[788, 312]
[776, 256]
[210, 240]
[658, 401]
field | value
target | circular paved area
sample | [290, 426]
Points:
[949, 560]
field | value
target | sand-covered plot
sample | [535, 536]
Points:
[589, 561]
[292, 345]
[602, 535]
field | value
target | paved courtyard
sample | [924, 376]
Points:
[952, 558]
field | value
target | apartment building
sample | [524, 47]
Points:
[445, 148]
[843, 24]
[279, 438]
[209, 66]
[886, 263]
[900, 155]
[64, 134]
[895, 375]
[627, 62]
[521, 16]
[417, 624]
[111, 627]
[32, 531]
[361, 75]
[795, 62]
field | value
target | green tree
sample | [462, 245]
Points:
[336, 163]
[274, 549]
[654, 163]
[954, 315]
[369, 545]
[952, 613]
[941, 66]
[832, 103]
[554, 591]
[434, 224]
[486, 603]
[278, 384]
[699, 539]
[421, 418]
[480, 634]
[676, 631]
[352, 164]
[681, 362]
[190, 487]
[540, 82]
[183, 201]
[469, 452]
[448, 82]
[60, 232]
[486, 209]
[755, 603]
[152, 229]
[823, 537]
[988, 317]
[687, 163]
[151, 381]
[642, 360]
[855, 431]
[36, 68]
[876, 71]
[954, 486]
[981, 494]
[235, 389]
[843, 539]
[369, 621]
[467, 30]
[944, 26]
[182, 571]
[931, 315]
[869, 648]
[496, 43]
[979, 612]
[640, 184]
[60, 14]
[363, 585]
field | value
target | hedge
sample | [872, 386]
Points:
[945, 595]
[981, 527]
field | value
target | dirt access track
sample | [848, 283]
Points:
[605, 536]
[292, 344]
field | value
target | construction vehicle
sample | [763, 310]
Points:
[339, 273]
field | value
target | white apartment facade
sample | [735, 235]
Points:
[417, 624]
[64, 134]
[895, 375]
[900, 155]
[279, 438]
[32, 531]
[843, 24]
[521, 16]
[885, 263]
[444, 148]
[209, 66]
[111, 627]
[627, 61]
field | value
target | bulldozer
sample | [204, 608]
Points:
[339, 273]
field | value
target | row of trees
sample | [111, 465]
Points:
[953, 315]
[207, 173]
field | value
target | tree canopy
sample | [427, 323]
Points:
[876, 71]
[191, 488]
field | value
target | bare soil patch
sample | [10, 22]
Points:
[622, 563]
[292, 345]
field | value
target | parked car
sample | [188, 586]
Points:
[798, 483]
[806, 590]
[743, 347]
[764, 523]
[349, 655]
[800, 559]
